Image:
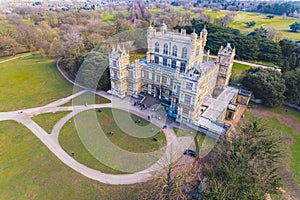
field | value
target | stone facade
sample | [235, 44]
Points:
[173, 71]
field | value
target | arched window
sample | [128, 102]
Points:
[182, 67]
[166, 49]
[174, 52]
[157, 47]
[184, 52]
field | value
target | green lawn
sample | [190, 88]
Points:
[237, 70]
[270, 64]
[30, 82]
[8, 57]
[88, 98]
[48, 120]
[215, 15]
[70, 140]
[184, 132]
[30, 171]
[134, 55]
[281, 25]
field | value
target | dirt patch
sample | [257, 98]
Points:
[289, 182]
[289, 120]
[288, 139]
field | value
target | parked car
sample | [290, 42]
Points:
[190, 152]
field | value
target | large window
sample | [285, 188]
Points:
[146, 74]
[182, 67]
[189, 86]
[187, 99]
[185, 112]
[157, 78]
[115, 74]
[130, 74]
[174, 51]
[165, 62]
[173, 64]
[157, 47]
[184, 52]
[156, 59]
[164, 80]
[166, 49]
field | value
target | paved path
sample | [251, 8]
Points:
[247, 63]
[174, 149]
[21, 56]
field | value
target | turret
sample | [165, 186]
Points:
[163, 28]
[203, 36]
[194, 36]
[225, 62]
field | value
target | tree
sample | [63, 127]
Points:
[287, 47]
[266, 84]
[175, 181]
[93, 72]
[225, 21]
[250, 24]
[273, 34]
[295, 27]
[292, 81]
[9, 46]
[244, 166]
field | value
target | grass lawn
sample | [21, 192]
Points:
[88, 98]
[215, 15]
[30, 82]
[183, 133]
[8, 57]
[237, 70]
[291, 137]
[48, 120]
[281, 25]
[271, 64]
[134, 55]
[70, 140]
[30, 171]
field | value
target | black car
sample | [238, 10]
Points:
[190, 152]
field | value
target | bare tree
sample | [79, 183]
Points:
[176, 181]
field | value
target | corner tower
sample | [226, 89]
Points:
[225, 62]
[118, 63]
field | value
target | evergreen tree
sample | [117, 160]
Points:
[244, 166]
[266, 84]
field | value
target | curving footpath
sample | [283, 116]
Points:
[174, 145]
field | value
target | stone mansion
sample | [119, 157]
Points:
[178, 73]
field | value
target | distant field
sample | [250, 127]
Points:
[30, 171]
[280, 24]
[215, 15]
[30, 82]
